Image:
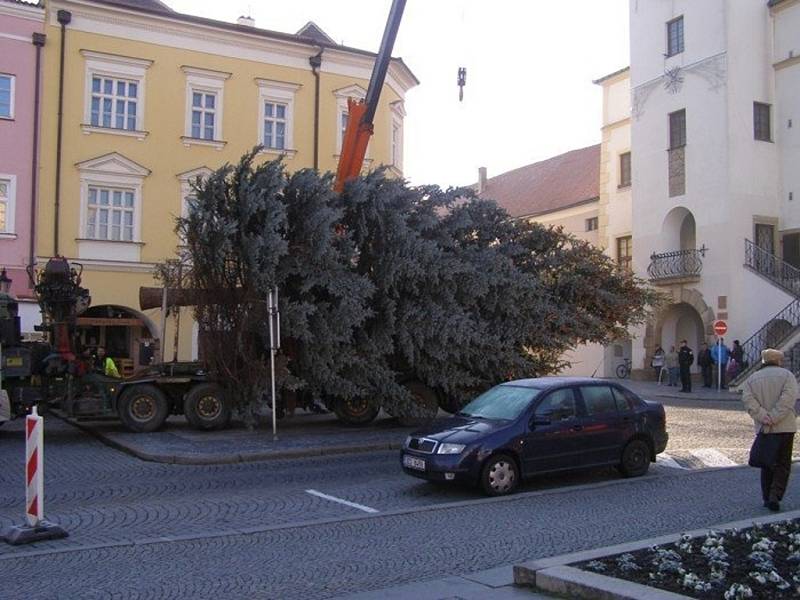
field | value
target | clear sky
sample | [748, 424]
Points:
[530, 66]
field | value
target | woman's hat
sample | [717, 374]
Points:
[770, 356]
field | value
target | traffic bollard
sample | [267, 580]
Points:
[35, 528]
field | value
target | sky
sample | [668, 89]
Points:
[530, 66]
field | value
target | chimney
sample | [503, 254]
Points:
[246, 21]
[481, 179]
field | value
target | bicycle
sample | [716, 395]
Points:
[624, 370]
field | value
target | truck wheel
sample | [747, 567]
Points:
[424, 407]
[356, 411]
[143, 408]
[205, 407]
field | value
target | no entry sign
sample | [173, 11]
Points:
[720, 327]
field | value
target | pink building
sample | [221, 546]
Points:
[21, 38]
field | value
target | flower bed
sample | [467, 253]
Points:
[762, 561]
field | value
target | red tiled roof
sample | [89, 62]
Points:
[559, 182]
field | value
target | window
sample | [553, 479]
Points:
[204, 104]
[395, 145]
[625, 253]
[114, 94]
[625, 400]
[598, 400]
[677, 129]
[7, 198]
[625, 169]
[592, 223]
[111, 208]
[274, 125]
[557, 406]
[276, 115]
[762, 129]
[675, 36]
[109, 214]
[356, 92]
[397, 114]
[7, 96]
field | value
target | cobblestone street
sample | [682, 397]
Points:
[147, 530]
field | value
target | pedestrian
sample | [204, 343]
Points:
[720, 355]
[737, 354]
[105, 364]
[671, 361]
[658, 362]
[685, 361]
[704, 362]
[769, 396]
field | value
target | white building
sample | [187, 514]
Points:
[715, 112]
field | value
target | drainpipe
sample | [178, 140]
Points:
[64, 17]
[38, 41]
[316, 62]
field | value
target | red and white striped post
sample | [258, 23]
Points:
[34, 467]
[35, 528]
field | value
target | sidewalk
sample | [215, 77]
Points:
[300, 436]
[650, 390]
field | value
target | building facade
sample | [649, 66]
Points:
[715, 88]
[21, 40]
[152, 99]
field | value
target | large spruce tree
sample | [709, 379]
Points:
[387, 283]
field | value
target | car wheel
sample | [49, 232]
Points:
[205, 407]
[143, 408]
[356, 411]
[500, 475]
[635, 459]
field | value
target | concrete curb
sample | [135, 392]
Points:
[227, 458]
[556, 576]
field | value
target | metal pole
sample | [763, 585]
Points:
[719, 363]
[163, 344]
[270, 310]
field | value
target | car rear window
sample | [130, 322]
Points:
[598, 399]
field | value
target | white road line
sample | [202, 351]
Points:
[666, 460]
[712, 457]
[340, 501]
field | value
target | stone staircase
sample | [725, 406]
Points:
[782, 331]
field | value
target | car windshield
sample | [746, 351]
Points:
[505, 402]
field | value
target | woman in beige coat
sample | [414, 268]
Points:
[769, 395]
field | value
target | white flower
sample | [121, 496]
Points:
[764, 545]
[738, 591]
[759, 577]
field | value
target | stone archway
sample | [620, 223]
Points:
[690, 298]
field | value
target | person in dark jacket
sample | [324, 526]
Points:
[685, 361]
[704, 362]
[737, 354]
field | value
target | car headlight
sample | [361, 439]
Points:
[450, 449]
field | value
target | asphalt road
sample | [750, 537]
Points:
[322, 527]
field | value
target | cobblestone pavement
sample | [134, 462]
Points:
[148, 530]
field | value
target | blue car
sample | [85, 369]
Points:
[532, 426]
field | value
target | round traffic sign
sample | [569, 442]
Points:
[720, 327]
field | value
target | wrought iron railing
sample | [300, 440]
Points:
[773, 268]
[774, 334]
[676, 265]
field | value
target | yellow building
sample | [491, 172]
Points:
[151, 98]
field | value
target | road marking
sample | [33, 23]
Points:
[712, 457]
[666, 460]
[340, 501]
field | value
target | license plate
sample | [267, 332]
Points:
[14, 361]
[413, 463]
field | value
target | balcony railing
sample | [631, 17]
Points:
[773, 268]
[680, 264]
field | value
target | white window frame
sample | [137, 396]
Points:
[118, 67]
[11, 205]
[204, 81]
[186, 191]
[398, 113]
[280, 92]
[111, 171]
[122, 209]
[13, 79]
